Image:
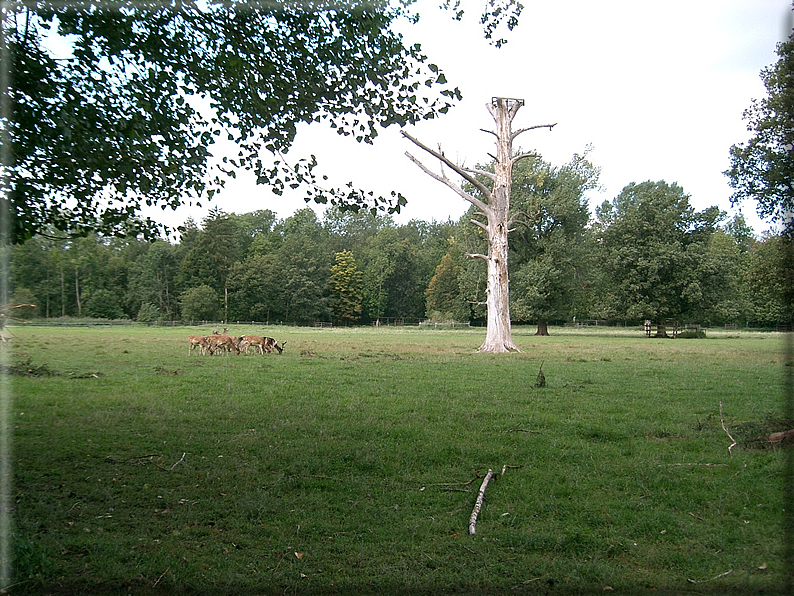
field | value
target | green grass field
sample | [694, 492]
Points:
[351, 463]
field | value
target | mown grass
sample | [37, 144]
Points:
[351, 464]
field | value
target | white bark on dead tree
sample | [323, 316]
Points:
[495, 207]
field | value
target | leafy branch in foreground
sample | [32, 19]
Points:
[126, 117]
[762, 169]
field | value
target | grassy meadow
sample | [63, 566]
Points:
[351, 463]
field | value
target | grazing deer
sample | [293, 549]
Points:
[253, 340]
[271, 343]
[197, 341]
[227, 343]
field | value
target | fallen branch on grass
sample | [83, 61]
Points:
[478, 502]
[179, 461]
[154, 585]
[692, 581]
[151, 459]
[733, 444]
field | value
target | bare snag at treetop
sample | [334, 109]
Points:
[494, 206]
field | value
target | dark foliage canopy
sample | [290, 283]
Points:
[129, 117]
[763, 168]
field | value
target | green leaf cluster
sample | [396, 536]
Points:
[762, 169]
[130, 116]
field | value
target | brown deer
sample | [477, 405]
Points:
[197, 341]
[227, 343]
[271, 344]
[253, 340]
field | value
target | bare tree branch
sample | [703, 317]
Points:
[520, 130]
[490, 132]
[476, 256]
[469, 178]
[523, 156]
[479, 224]
[443, 179]
[489, 175]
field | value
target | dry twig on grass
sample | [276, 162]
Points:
[692, 581]
[179, 461]
[154, 585]
[151, 459]
[733, 444]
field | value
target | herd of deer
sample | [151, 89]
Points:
[220, 342]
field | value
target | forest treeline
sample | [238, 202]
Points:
[646, 254]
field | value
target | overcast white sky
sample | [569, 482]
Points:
[658, 90]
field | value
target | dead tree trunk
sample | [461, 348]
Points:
[494, 206]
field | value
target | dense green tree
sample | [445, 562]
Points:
[256, 232]
[548, 259]
[377, 265]
[200, 303]
[651, 246]
[349, 230]
[345, 283]
[254, 289]
[148, 313]
[103, 304]
[717, 273]
[116, 126]
[432, 240]
[213, 252]
[393, 282]
[304, 263]
[405, 284]
[762, 169]
[32, 268]
[738, 229]
[548, 244]
[152, 280]
[444, 300]
[764, 282]
[23, 304]
[718, 297]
